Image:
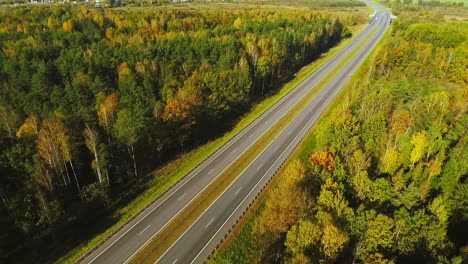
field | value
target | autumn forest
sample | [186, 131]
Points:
[94, 100]
[91, 101]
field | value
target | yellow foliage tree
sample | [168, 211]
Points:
[391, 159]
[239, 23]
[51, 23]
[362, 184]
[106, 112]
[29, 127]
[301, 236]
[67, 26]
[333, 241]
[54, 147]
[401, 121]
[419, 142]
[110, 33]
[285, 202]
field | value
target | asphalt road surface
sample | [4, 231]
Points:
[196, 244]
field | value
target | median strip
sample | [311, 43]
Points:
[168, 236]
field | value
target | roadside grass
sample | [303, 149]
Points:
[168, 236]
[167, 176]
[238, 245]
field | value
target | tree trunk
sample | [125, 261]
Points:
[6, 203]
[108, 136]
[42, 201]
[107, 176]
[7, 125]
[134, 161]
[303, 55]
[396, 237]
[98, 168]
[263, 85]
[76, 179]
[63, 176]
[356, 252]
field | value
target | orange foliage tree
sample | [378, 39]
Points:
[324, 159]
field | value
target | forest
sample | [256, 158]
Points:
[383, 178]
[93, 100]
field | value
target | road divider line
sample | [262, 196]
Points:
[238, 191]
[209, 223]
[180, 198]
[144, 230]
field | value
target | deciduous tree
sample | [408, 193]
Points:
[92, 141]
[106, 112]
[419, 142]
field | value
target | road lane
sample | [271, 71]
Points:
[124, 244]
[194, 246]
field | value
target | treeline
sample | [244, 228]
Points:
[93, 100]
[436, 3]
[385, 179]
[419, 5]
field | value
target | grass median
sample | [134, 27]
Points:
[168, 175]
[168, 236]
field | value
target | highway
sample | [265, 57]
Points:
[196, 244]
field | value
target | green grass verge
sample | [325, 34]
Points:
[238, 247]
[174, 171]
[156, 248]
